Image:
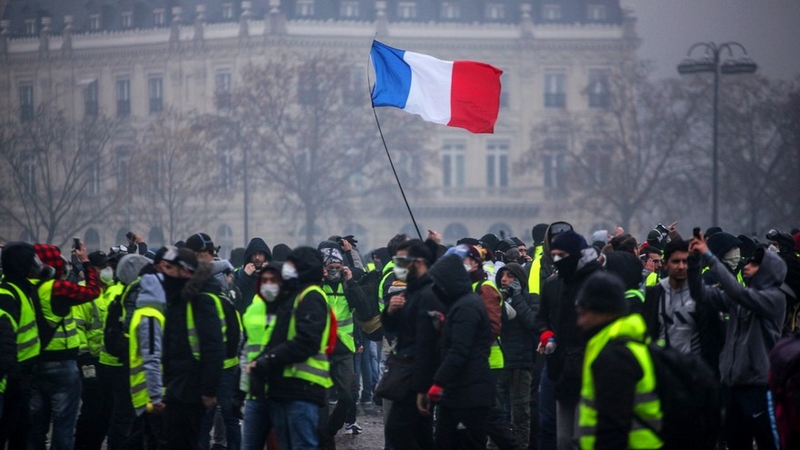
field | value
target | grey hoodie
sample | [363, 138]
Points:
[756, 316]
[151, 294]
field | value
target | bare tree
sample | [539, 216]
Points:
[758, 158]
[177, 186]
[55, 174]
[612, 159]
[308, 132]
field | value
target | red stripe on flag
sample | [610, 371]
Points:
[475, 96]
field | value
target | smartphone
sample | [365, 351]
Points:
[130, 236]
[696, 232]
[76, 243]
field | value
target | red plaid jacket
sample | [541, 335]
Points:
[63, 290]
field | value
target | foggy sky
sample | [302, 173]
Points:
[769, 30]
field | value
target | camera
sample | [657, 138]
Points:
[131, 237]
[662, 229]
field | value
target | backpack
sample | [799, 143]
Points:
[690, 399]
[784, 383]
[367, 312]
[118, 317]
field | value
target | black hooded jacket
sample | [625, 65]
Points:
[247, 283]
[17, 261]
[466, 337]
[417, 336]
[187, 379]
[310, 319]
[518, 335]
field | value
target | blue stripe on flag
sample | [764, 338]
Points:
[392, 76]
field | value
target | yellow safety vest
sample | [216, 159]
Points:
[647, 406]
[315, 369]
[344, 316]
[652, 279]
[234, 360]
[89, 326]
[634, 293]
[258, 326]
[66, 332]
[28, 344]
[140, 397]
[534, 278]
[106, 297]
[496, 360]
[14, 326]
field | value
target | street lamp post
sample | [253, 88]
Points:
[711, 62]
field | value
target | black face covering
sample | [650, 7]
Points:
[440, 294]
[567, 266]
[172, 286]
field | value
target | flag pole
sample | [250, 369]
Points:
[391, 163]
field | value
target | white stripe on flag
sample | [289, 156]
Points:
[431, 84]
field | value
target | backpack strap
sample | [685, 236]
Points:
[662, 303]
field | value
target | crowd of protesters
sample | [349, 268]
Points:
[489, 343]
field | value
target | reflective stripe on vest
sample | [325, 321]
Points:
[646, 406]
[344, 316]
[140, 397]
[234, 360]
[535, 277]
[315, 369]
[258, 328]
[66, 332]
[108, 295]
[28, 344]
[652, 279]
[496, 359]
[634, 293]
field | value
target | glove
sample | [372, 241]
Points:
[515, 286]
[545, 337]
[261, 369]
[435, 393]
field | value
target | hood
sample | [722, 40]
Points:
[450, 276]
[308, 262]
[588, 255]
[221, 266]
[256, 245]
[18, 260]
[280, 252]
[627, 266]
[517, 270]
[273, 265]
[129, 267]
[151, 293]
[721, 243]
[50, 256]
[201, 280]
[771, 273]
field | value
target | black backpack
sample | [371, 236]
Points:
[116, 328]
[690, 399]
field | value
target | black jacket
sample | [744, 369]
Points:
[8, 348]
[417, 336]
[247, 283]
[466, 337]
[310, 318]
[518, 337]
[187, 379]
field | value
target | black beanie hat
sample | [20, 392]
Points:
[570, 242]
[603, 293]
[626, 266]
[18, 260]
[538, 233]
[721, 243]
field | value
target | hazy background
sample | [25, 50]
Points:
[769, 30]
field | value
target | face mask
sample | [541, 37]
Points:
[468, 268]
[732, 258]
[107, 275]
[567, 266]
[557, 258]
[288, 272]
[401, 273]
[334, 275]
[269, 291]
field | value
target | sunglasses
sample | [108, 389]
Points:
[403, 261]
[559, 227]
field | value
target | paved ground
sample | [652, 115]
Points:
[371, 438]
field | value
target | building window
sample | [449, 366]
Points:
[227, 11]
[452, 233]
[25, 102]
[226, 167]
[30, 27]
[92, 240]
[551, 12]
[94, 22]
[123, 97]
[406, 10]
[123, 169]
[495, 11]
[91, 99]
[453, 162]
[127, 19]
[29, 176]
[505, 97]
[157, 170]
[222, 89]
[451, 10]
[155, 87]
[555, 95]
[599, 96]
[304, 8]
[93, 186]
[596, 13]
[553, 164]
[349, 9]
[225, 241]
[598, 157]
[497, 164]
[158, 16]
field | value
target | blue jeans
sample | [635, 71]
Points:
[233, 429]
[57, 395]
[295, 423]
[257, 424]
[547, 412]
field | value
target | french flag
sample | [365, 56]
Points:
[463, 94]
